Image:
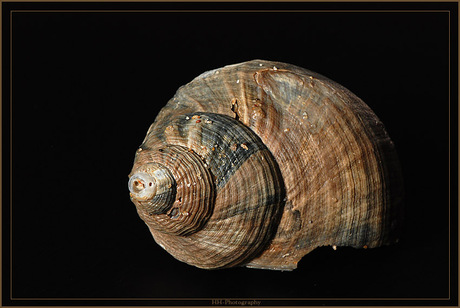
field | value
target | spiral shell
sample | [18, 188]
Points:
[257, 164]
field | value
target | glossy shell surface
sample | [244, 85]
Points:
[257, 164]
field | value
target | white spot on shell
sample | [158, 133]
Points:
[188, 185]
[275, 68]
[285, 255]
[286, 130]
[187, 118]
[141, 185]
[260, 64]
[238, 81]
[334, 247]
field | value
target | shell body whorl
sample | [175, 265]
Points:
[260, 163]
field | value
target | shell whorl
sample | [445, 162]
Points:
[240, 182]
[293, 161]
[188, 186]
[154, 187]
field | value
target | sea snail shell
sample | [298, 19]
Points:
[257, 164]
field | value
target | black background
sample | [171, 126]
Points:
[87, 85]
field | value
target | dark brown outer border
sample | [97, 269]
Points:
[271, 301]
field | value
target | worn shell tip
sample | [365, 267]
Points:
[142, 186]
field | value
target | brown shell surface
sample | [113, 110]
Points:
[293, 161]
